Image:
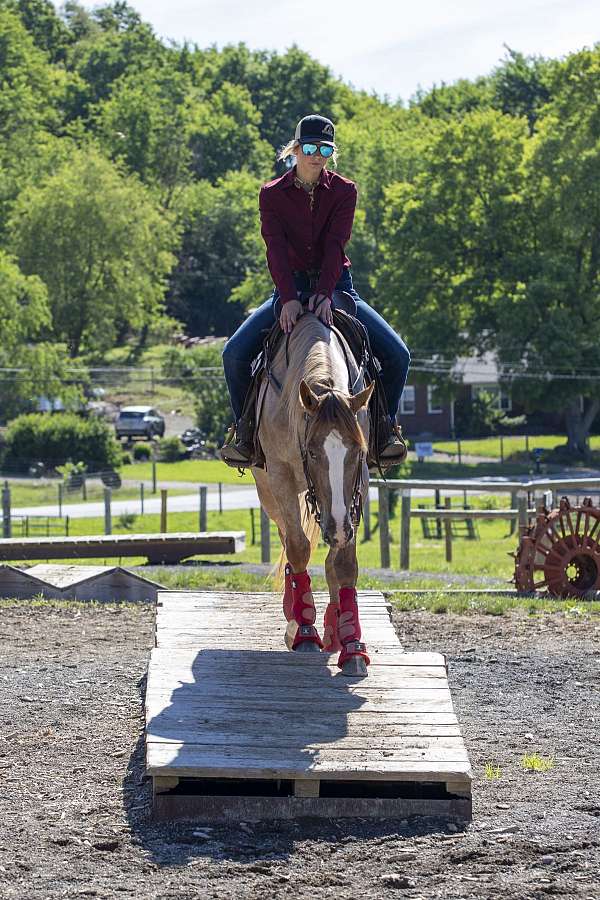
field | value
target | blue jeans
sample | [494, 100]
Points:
[246, 343]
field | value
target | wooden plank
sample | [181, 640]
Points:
[306, 787]
[153, 546]
[189, 760]
[235, 809]
[186, 656]
[167, 731]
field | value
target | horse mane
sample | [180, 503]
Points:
[310, 361]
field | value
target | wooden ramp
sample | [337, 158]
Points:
[238, 728]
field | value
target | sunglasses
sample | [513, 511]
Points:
[324, 149]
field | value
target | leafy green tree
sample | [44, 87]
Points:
[522, 85]
[26, 360]
[221, 245]
[452, 243]
[121, 43]
[553, 323]
[48, 30]
[101, 246]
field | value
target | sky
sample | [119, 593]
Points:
[391, 47]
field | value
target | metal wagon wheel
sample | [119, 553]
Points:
[561, 552]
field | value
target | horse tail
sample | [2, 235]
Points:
[311, 529]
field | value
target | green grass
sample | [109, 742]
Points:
[34, 493]
[197, 471]
[514, 445]
[535, 763]
[492, 772]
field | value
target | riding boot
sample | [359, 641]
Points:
[239, 452]
[391, 446]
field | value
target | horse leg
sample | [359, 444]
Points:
[271, 507]
[301, 633]
[331, 641]
[353, 660]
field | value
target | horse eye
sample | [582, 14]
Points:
[312, 454]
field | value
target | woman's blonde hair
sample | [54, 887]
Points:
[291, 148]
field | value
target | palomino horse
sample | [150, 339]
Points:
[314, 433]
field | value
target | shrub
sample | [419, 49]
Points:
[199, 371]
[142, 451]
[58, 439]
[171, 449]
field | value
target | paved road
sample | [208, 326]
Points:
[233, 497]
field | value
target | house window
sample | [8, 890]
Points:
[434, 404]
[407, 403]
[502, 399]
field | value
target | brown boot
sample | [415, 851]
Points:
[239, 453]
[391, 446]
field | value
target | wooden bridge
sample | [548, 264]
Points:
[239, 729]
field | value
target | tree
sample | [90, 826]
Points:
[452, 239]
[554, 325]
[101, 246]
[221, 245]
[48, 30]
[26, 361]
[522, 85]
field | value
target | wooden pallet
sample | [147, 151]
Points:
[158, 548]
[239, 729]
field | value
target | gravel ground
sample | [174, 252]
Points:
[74, 804]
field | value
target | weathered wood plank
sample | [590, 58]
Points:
[237, 809]
[189, 760]
[262, 658]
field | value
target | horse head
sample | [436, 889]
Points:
[333, 454]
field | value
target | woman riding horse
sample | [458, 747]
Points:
[306, 221]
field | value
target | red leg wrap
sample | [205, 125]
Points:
[303, 610]
[288, 597]
[349, 628]
[331, 641]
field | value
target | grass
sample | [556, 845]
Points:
[535, 763]
[196, 471]
[35, 493]
[492, 772]
[514, 445]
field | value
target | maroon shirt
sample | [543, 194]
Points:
[298, 239]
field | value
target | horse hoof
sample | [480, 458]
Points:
[308, 647]
[355, 667]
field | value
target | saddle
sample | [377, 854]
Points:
[354, 336]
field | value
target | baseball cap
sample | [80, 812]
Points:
[315, 128]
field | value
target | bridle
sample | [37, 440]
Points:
[312, 503]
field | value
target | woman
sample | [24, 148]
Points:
[306, 222]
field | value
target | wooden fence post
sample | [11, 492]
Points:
[265, 537]
[107, 512]
[163, 510]
[405, 531]
[367, 517]
[220, 498]
[501, 448]
[522, 505]
[60, 499]
[153, 475]
[448, 531]
[202, 509]
[384, 526]
[459, 451]
[513, 505]
[6, 529]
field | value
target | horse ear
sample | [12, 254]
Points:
[361, 400]
[308, 398]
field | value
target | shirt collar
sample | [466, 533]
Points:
[287, 180]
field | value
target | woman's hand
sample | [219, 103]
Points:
[320, 305]
[290, 312]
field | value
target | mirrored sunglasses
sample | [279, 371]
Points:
[324, 149]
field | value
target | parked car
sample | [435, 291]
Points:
[139, 421]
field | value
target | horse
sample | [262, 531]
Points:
[313, 430]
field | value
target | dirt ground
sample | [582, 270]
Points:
[74, 802]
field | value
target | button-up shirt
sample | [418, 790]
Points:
[301, 239]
